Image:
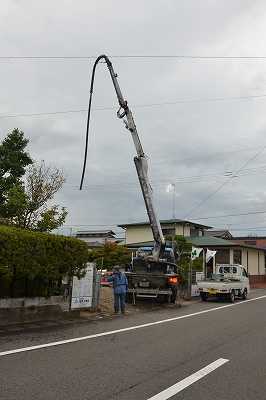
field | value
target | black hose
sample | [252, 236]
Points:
[88, 118]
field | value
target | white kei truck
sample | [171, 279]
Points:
[229, 280]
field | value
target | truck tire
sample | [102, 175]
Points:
[173, 295]
[129, 298]
[245, 294]
[232, 296]
[203, 296]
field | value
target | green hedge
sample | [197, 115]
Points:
[33, 263]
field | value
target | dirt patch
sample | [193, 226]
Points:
[106, 305]
[106, 299]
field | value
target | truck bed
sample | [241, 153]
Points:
[232, 284]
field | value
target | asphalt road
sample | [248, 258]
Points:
[200, 351]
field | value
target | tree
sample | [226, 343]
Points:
[111, 254]
[183, 249]
[15, 206]
[13, 161]
[27, 206]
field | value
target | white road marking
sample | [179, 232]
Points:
[42, 346]
[172, 390]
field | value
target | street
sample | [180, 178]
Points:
[203, 350]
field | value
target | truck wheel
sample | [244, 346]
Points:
[204, 296]
[232, 297]
[129, 298]
[173, 295]
[245, 295]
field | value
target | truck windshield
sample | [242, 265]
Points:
[228, 270]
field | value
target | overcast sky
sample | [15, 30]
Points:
[194, 75]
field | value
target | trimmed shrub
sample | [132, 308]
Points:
[33, 263]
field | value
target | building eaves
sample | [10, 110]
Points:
[101, 232]
[99, 240]
[201, 241]
[167, 221]
[140, 244]
[211, 241]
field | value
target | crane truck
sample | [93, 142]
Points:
[153, 273]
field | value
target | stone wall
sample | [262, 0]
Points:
[16, 311]
[257, 280]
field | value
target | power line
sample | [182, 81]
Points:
[234, 175]
[136, 106]
[128, 56]
[232, 215]
[184, 159]
[44, 113]
[184, 180]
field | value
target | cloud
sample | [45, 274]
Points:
[199, 118]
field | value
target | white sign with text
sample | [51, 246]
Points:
[82, 289]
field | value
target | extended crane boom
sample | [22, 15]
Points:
[140, 160]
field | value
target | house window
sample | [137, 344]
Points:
[237, 256]
[196, 232]
[223, 256]
[168, 231]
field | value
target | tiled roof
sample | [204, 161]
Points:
[218, 233]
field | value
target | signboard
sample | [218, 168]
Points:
[82, 289]
[194, 287]
[194, 291]
[199, 276]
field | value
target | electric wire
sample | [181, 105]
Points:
[231, 215]
[179, 181]
[234, 175]
[130, 56]
[134, 106]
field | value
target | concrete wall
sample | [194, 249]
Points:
[137, 234]
[143, 233]
[254, 261]
[16, 311]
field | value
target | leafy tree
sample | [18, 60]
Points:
[26, 207]
[13, 161]
[51, 219]
[183, 249]
[111, 254]
[15, 206]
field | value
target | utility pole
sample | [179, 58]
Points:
[173, 217]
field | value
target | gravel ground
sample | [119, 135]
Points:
[106, 305]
